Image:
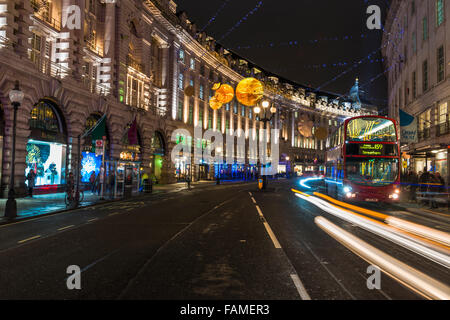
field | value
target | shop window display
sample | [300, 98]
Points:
[90, 162]
[47, 159]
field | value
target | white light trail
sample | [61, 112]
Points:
[412, 278]
[383, 231]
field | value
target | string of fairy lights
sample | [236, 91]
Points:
[352, 64]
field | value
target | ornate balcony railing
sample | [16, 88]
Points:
[424, 134]
[5, 43]
[443, 128]
[135, 64]
[43, 15]
[92, 47]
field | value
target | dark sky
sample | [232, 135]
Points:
[281, 21]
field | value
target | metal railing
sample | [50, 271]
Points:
[92, 47]
[424, 134]
[59, 71]
[6, 43]
[44, 16]
[134, 64]
[443, 128]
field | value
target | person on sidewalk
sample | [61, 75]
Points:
[31, 176]
[92, 181]
[111, 183]
[70, 184]
[97, 184]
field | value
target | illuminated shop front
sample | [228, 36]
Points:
[158, 153]
[91, 156]
[47, 147]
[128, 168]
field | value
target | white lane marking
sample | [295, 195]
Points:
[67, 227]
[251, 195]
[272, 236]
[254, 201]
[113, 214]
[28, 239]
[300, 288]
[90, 220]
[259, 211]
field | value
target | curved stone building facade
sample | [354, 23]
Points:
[131, 61]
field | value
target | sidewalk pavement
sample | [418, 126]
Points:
[53, 203]
[416, 207]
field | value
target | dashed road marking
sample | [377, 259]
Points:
[254, 201]
[300, 288]
[29, 239]
[113, 214]
[66, 227]
[259, 211]
[90, 220]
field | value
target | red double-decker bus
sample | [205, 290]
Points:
[363, 160]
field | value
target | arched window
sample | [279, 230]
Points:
[45, 118]
[158, 145]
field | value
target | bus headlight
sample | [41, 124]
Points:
[395, 196]
[347, 189]
[397, 191]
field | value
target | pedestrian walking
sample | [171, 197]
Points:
[31, 176]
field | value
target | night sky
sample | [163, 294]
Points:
[278, 22]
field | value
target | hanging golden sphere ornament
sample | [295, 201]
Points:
[249, 91]
[224, 94]
[189, 91]
[214, 104]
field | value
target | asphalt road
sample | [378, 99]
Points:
[213, 242]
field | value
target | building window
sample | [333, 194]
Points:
[191, 82]
[201, 93]
[440, 64]
[181, 56]
[425, 28]
[191, 114]
[135, 92]
[414, 84]
[181, 81]
[219, 122]
[250, 113]
[413, 7]
[209, 120]
[414, 42]
[192, 64]
[180, 111]
[235, 108]
[439, 12]
[200, 116]
[425, 76]
[227, 107]
[242, 111]
[442, 118]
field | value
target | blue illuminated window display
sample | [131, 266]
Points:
[90, 162]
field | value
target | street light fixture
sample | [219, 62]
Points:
[16, 97]
[266, 115]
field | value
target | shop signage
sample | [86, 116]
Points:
[408, 128]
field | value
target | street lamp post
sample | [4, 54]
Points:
[266, 115]
[16, 97]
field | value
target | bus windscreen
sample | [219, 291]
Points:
[371, 130]
[372, 172]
